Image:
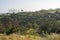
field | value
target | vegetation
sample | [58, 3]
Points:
[38, 23]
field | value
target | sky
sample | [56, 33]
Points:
[28, 5]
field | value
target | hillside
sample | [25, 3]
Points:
[33, 23]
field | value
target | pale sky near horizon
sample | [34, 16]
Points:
[28, 5]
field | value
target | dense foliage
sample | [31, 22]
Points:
[38, 22]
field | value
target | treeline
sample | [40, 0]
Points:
[34, 23]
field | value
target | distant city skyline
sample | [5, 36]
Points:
[28, 5]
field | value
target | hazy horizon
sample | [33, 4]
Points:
[28, 5]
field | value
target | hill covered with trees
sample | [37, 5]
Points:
[33, 23]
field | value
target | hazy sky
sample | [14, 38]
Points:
[28, 5]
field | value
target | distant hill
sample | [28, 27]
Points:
[34, 23]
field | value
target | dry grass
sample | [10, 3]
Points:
[29, 37]
[18, 37]
[53, 37]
